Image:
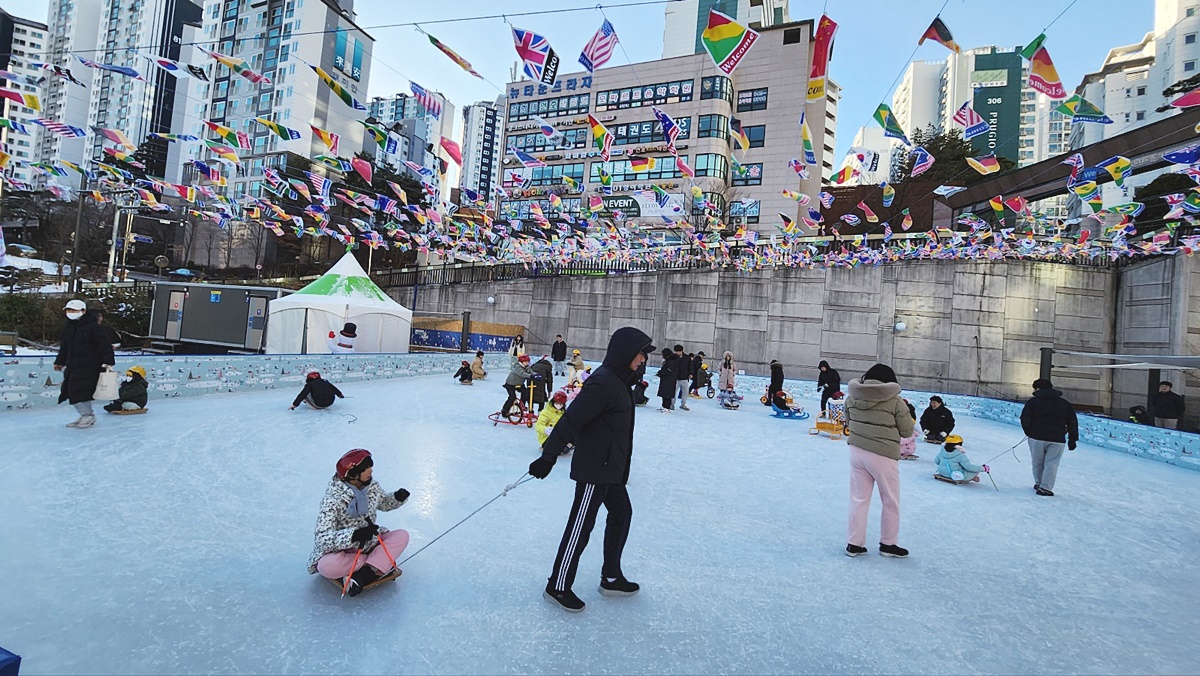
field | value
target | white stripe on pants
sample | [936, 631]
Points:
[581, 515]
[1045, 456]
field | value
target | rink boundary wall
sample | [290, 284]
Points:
[29, 383]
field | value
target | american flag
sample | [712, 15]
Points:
[320, 183]
[600, 48]
[61, 129]
[670, 129]
[427, 100]
[923, 162]
[972, 124]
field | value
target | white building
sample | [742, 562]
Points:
[686, 20]
[872, 139]
[482, 123]
[916, 102]
[75, 27]
[392, 111]
[21, 43]
[833, 95]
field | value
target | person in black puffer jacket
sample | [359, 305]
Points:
[1048, 420]
[599, 422]
[667, 374]
[84, 350]
[558, 354]
[937, 420]
[317, 392]
[828, 382]
[776, 381]
[1168, 407]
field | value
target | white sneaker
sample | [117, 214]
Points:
[86, 421]
[76, 423]
[684, 407]
[663, 410]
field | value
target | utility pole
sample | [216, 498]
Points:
[73, 279]
[112, 249]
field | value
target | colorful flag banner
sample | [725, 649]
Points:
[338, 89]
[238, 66]
[178, 69]
[540, 61]
[891, 128]
[15, 126]
[116, 137]
[997, 204]
[383, 139]
[1188, 100]
[453, 56]
[60, 71]
[726, 41]
[971, 122]
[739, 134]
[826, 199]
[810, 156]
[526, 159]
[27, 100]
[907, 221]
[547, 129]
[987, 164]
[639, 164]
[61, 129]
[329, 138]
[939, 33]
[453, 150]
[601, 136]
[947, 190]
[122, 70]
[669, 127]
[364, 169]
[867, 212]
[237, 138]
[600, 48]
[889, 194]
[684, 168]
[844, 174]
[285, 133]
[1043, 77]
[428, 100]
[1082, 110]
[1119, 167]
[923, 162]
[822, 52]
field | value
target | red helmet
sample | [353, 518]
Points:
[313, 375]
[524, 359]
[559, 397]
[466, 363]
[354, 462]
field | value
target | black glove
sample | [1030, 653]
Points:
[540, 468]
[362, 536]
[401, 496]
[1070, 445]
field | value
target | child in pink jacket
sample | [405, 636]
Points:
[908, 445]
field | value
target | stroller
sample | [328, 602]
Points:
[705, 380]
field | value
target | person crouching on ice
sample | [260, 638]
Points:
[953, 463]
[464, 374]
[132, 395]
[317, 393]
[347, 540]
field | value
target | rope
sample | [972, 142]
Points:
[1013, 448]
[524, 478]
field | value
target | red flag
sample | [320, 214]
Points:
[363, 168]
[453, 150]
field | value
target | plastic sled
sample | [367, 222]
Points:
[834, 428]
[133, 411]
[933, 441]
[790, 413]
[948, 480]
[909, 457]
[396, 572]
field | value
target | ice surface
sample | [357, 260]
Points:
[176, 542]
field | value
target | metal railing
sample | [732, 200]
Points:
[467, 274]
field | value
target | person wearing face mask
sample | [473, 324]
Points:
[549, 416]
[84, 350]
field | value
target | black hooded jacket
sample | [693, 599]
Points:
[1049, 417]
[322, 392]
[84, 348]
[600, 419]
[558, 350]
[776, 378]
[829, 379]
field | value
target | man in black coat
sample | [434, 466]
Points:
[599, 422]
[558, 354]
[829, 381]
[776, 382]
[1168, 407]
[1048, 420]
[317, 392]
[545, 385]
[667, 378]
[937, 421]
[84, 350]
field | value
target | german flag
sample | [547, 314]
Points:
[638, 164]
[938, 32]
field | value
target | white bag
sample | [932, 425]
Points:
[107, 387]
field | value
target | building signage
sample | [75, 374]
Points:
[997, 99]
[989, 78]
[569, 84]
[639, 206]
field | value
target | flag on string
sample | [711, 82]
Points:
[923, 162]
[683, 167]
[16, 78]
[1188, 100]
[868, 160]
[383, 139]
[13, 125]
[907, 221]
[453, 56]
[329, 138]
[539, 59]
[428, 100]
[1081, 110]
[987, 164]
[421, 171]
[27, 100]
[526, 159]
[170, 138]
[870, 215]
[601, 136]
[1043, 77]
[889, 194]
[826, 199]
[600, 48]
[547, 129]
[1018, 205]
[239, 138]
[997, 204]
[285, 133]
[669, 127]
[453, 150]
[891, 128]
[115, 136]
[726, 41]
[238, 66]
[822, 52]
[739, 134]
[60, 128]
[122, 70]
[947, 190]
[887, 231]
[337, 88]
[850, 219]
[639, 164]
[971, 122]
[844, 174]
[1186, 155]
[1076, 162]
[810, 156]
[1119, 167]
[320, 184]
[939, 33]
[178, 69]
[60, 71]
[799, 197]
[363, 168]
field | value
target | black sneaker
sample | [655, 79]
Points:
[893, 551]
[618, 587]
[360, 579]
[854, 550]
[567, 600]
[1044, 491]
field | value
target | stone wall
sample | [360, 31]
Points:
[972, 328]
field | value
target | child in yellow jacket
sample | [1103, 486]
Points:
[550, 415]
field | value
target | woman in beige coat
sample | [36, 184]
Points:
[878, 419]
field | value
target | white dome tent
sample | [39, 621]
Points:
[300, 323]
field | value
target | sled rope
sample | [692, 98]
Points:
[1012, 449]
[524, 478]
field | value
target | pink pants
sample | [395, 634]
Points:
[336, 565]
[867, 470]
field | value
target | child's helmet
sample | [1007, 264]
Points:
[524, 359]
[559, 397]
[353, 462]
[704, 366]
[138, 370]
[575, 352]
[954, 439]
[465, 363]
[313, 375]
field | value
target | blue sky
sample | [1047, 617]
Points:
[873, 44]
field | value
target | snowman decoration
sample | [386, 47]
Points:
[343, 342]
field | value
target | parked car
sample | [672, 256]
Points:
[21, 250]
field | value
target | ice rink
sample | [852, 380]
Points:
[176, 542]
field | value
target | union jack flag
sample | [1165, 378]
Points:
[541, 63]
[61, 129]
[670, 129]
[428, 101]
[600, 48]
[1076, 162]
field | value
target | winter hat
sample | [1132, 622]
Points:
[313, 375]
[701, 353]
[354, 462]
[881, 372]
[349, 330]
[466, 363]
[76, 305]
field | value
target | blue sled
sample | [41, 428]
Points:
[791, 414]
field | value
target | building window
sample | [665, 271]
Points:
[791, 36]
[643, 133]
[1191, 11]
[558, 107]
[1189, 39]
[713, 126]
[752, 99]
[716, 87]
[553, 175]
[757, 135]
[1189, 66]
[749, 174]
[1140, 115]
[664, 168]
[712, 164]
[744, 212]
[1141, 91]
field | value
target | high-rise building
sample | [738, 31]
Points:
[833, 95]
[423, 134]
[686, 20]
[872, 140]
[75, 27]
[746, 186]
[481, 147]
[21, 44]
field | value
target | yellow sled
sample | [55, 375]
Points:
[835, 424]
[131, 411]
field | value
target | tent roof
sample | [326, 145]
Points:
[345, 284]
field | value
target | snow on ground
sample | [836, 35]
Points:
[176, 542]
[48, 267]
